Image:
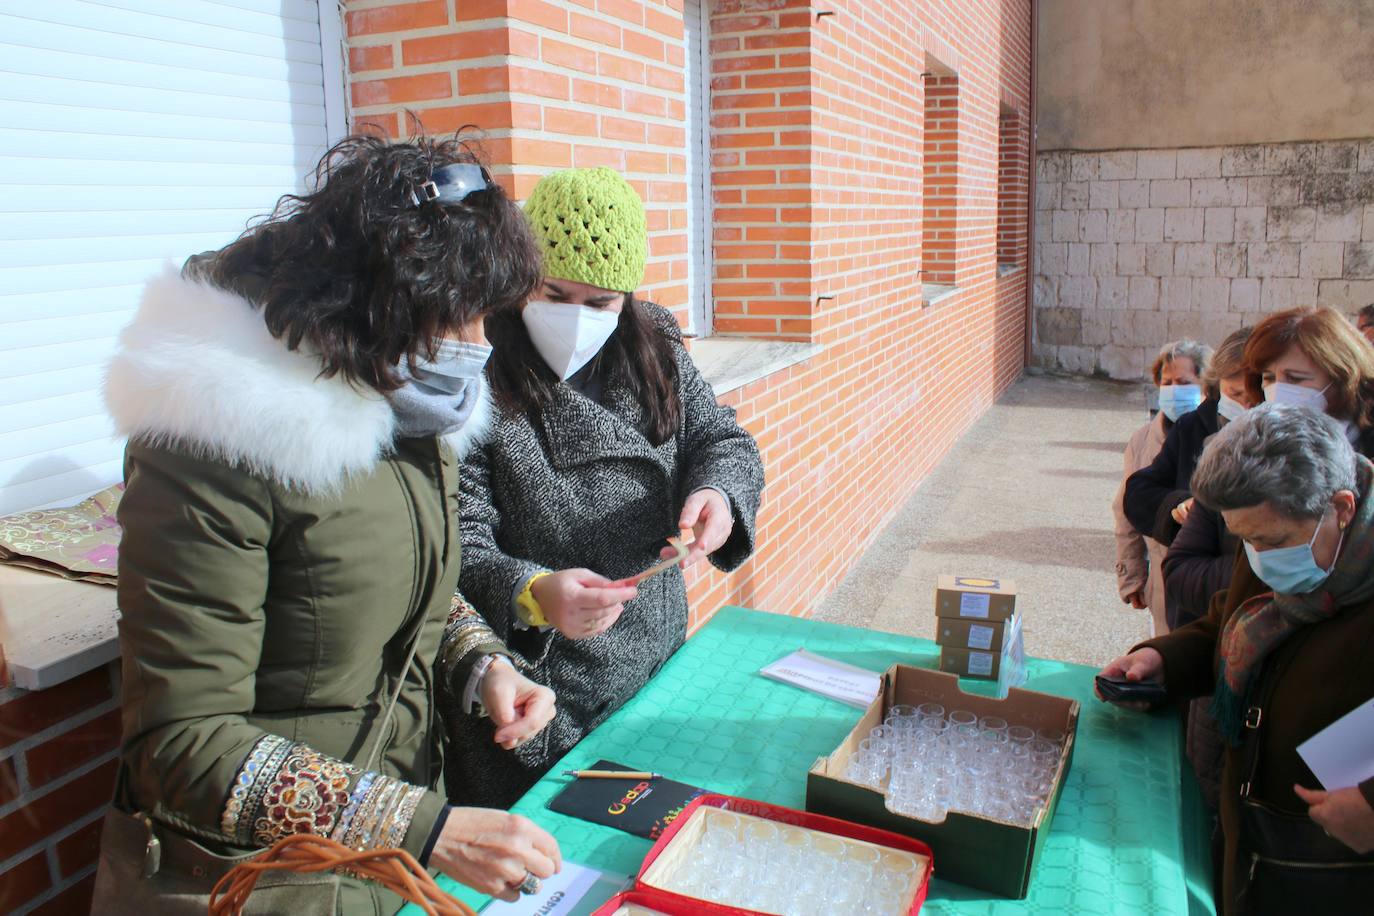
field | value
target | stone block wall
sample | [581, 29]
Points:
[1137, 247]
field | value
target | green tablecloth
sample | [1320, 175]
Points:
[1127, 837]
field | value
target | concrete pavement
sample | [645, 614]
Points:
[1025, 495]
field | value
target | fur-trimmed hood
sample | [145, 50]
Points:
[197, 367]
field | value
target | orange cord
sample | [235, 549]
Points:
[394, 869]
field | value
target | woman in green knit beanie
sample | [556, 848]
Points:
[607, 440]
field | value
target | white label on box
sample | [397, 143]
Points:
[972, 604]
[980, 663]
[980, 637]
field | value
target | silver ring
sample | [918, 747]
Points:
[530, 885]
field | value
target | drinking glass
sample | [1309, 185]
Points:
[962, 717]
[1052, 735]
[1044, 752]
[993, 724]
[930, 710]
[1020, 735]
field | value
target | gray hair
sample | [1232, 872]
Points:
[1198, 352]
[1292, 458]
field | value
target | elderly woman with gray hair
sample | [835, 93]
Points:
[1284, 652]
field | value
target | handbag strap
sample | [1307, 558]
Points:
[1254, 716]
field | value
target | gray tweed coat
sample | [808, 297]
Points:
[581, 487]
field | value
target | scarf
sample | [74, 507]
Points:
[1261, 624]
[439, 397]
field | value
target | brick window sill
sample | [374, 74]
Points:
[1004, 270]
[53, 629]
[733, 362]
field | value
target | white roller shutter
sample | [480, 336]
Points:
[696, 27]
[132, 133]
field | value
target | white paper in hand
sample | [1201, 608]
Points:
[837, 680]
[575, 891]
[1342, 754]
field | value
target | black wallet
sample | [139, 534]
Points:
[1120, 690]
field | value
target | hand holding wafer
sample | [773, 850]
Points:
[672, 555]
[707, 515]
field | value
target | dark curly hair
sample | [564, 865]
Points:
[362, 276]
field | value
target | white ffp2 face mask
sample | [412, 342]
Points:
[566, 334]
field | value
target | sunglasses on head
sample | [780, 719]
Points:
[451, 184]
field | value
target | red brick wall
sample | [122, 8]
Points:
[940, 174]
[1012, 189]
[821, 141]
[836, 186]
[57, 749]
[553, 84]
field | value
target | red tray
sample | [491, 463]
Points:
[678, 905]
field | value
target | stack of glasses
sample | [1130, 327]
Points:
[928, 763]
[757, 864]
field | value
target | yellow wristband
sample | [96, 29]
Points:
[528, 607]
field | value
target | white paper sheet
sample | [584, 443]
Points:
[837, 680]
[575, 891]
[1342, 754]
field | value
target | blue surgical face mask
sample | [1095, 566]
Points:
[1296, 396]
[1229, 408]
[1291, 570]
[1176, 400]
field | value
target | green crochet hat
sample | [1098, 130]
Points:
[591, 225]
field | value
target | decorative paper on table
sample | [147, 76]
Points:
[79, 542]
[1342, 754]
[837, 680]
[643, 807]
[577, 890]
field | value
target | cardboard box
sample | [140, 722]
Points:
[675, 849]
[1006, 666]
[974, 598]
[991, 855]
[970, 633]
[970, 663]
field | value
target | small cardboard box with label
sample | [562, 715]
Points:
[973, 598]
[972, 849]
[1003, 663]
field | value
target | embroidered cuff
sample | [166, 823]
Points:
[284, 788]
[465, 634]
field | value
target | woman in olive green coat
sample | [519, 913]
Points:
[295, 406]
